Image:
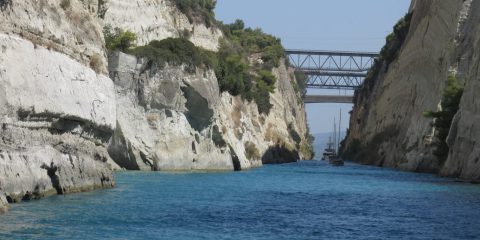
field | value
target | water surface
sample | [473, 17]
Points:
[306, 200]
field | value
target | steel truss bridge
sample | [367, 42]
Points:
[332, 69]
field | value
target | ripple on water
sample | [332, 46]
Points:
[306, 200]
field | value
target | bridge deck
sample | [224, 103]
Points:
[332, 53]
[328, 99]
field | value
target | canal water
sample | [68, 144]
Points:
[305, 200]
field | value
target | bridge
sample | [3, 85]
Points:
[327, 99]
[332, 70]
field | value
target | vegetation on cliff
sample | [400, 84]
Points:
[243, 65]
[197, 10]
[176, 51]
[118, 39]
[452, 95]
[246, 59]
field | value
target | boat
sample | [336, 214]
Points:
[336, 161]
[329, 151]
[333, 154]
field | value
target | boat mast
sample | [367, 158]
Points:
[334, 134]
[339, 132]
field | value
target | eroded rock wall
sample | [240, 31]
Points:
[57, 106]
[172, 119]
[63, 118]
[388, 126]
[464, 139]
[157, 20]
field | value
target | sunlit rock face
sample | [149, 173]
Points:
[172, 119]
[66, 112]
[57, 105]
[157, 20]
[388, 126]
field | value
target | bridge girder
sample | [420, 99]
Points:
[335, 82]
[332, 69]
[331, 61]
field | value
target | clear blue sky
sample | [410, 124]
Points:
[346, 25]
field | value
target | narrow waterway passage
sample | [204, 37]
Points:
[305, 200]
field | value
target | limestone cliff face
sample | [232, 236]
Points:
[464, 138]
[57, 114]
[63, 118]
[170, 119]
[387, 125]
[157, 20]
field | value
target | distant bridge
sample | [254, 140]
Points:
[332, 69]
[327, 99]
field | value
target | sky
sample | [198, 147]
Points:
[338, 25]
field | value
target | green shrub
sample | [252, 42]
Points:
[232, 74]
[268, 78]
[452, 95]
[197, 10]
[176, 52]
[395, 40]
[251, 41]
[261, 95]
[118, 39]
[238, 76]
[272, 55]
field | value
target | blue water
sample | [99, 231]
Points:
[307, 200]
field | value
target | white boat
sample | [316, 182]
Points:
[332, 154]
[329, 151]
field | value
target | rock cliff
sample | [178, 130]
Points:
[159, 19]
[170, 119]
[464, 137]
[388, 126]
[57, 105]
[69, 114]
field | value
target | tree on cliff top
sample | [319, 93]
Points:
[197, 10]
[118, 39]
